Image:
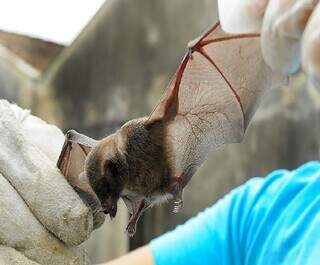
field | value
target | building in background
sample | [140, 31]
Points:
[117, 69]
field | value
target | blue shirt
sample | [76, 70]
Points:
[266, 221]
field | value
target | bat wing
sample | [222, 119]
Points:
[71, 164]
[71, 160]
[212, 97]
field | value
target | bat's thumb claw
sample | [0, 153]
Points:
[131, 229]
[70, 133]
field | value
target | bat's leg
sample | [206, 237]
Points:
[177, 185]
[75, 137]
[138, 208]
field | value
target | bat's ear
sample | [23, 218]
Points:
[167, 109]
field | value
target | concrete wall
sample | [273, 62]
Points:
[38, 53]
[16, 77]
[118, 68]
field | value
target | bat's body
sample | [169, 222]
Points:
[137, 153]
[209, 102]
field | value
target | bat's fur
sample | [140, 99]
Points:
[148, 170]
[133, 159]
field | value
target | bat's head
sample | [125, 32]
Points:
[107, 171]
[131, 158]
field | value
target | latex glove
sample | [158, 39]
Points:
[40, 214]
[290, 31]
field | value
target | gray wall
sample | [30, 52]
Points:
[118, 68]
[121, 63]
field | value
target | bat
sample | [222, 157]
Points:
[209, 102]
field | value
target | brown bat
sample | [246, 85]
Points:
[209, 102]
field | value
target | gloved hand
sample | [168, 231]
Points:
[290, 31]
[41, 216]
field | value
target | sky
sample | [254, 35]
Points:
[59, 21]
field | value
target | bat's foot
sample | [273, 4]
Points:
[178, 202]
[139, 208]
[131, 229]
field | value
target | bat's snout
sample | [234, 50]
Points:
[110, 207]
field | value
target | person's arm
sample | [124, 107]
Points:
[140, 256]
[212, 235]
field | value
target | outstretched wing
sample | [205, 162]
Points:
[71, 164]
[212, 97]
[71, 160]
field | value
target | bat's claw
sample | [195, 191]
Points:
[74, 136]
[178, 202]
[131, 229]
[193, 43]
[177, 206]
[70, 133]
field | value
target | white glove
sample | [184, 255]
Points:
[290, 31]
[41, 216]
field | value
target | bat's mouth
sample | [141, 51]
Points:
[110, 208]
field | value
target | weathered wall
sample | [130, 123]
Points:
[121, 63]
[118, 68]
[38, 53]
[16, 76]
[10, 81]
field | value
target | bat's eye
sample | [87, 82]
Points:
[111, 169]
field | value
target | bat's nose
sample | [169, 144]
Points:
[110, 208]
